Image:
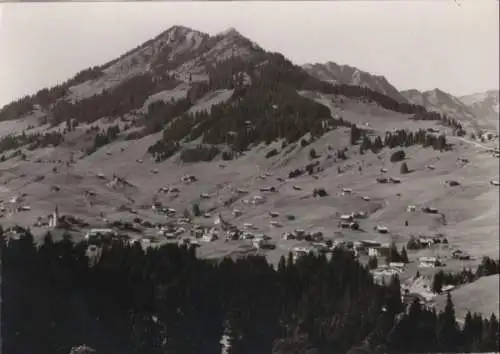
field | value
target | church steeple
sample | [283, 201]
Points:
[54, 218]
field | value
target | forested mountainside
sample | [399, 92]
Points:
[166, 300]
[264, 104]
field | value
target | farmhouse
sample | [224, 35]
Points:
[188, 179]
[382, 180]
[411, 208]
[100, 234]
[382, 229]
[346, 191]
[394, 180]
[430, 210]
[275, 223]
[428, 262]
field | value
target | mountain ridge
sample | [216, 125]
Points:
[350, 75]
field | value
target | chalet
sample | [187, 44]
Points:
[101, 176]
[247, 236]
[411, 208]
[346, 191]
[205, 196]
[431, 167]
[353, 225]
[275, 223]
[488, 136]
[274, 214]
[232, 235]
[154, 170]
[394, 180]
[236, 212]
[366, 199]
[383, 170]
[430, 210]
[398, 265]
[359, 214]
[382, 180]
[268, 189]
[373, 252]
[174, 190]
[241, 191]
[258, 200]
[298, 252]
[461, 255]
[428, 262]
[495, 182]
[188, 179]
[382, 229]
[100, 234]
[248, 225]
[157, 206]
[452, 183]
[347, 217]
[297, 188]
[426, 241]
[299, 232]
[210, 236]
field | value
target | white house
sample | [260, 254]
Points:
[96, 233]
[346, 191]
[373, 252]
[382, 229]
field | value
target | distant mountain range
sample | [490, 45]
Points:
[479, 111]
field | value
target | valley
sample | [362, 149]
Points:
[221, 145]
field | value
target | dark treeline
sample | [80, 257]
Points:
[103, 138]
[487, 267]
[127, 96]
[47, 96]
[401, 138]
[166, 300]
[34, 141]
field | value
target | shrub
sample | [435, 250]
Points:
[398, 156]
[319, 192]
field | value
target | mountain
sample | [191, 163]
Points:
[189, 126]
[485, 106]
[349, 75]
[249, 96]
[442, 102]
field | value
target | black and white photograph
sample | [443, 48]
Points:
[249, 177]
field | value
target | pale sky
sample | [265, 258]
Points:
[414, 44]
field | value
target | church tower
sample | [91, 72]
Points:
[54, 218]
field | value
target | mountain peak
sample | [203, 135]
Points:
[231, 31]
